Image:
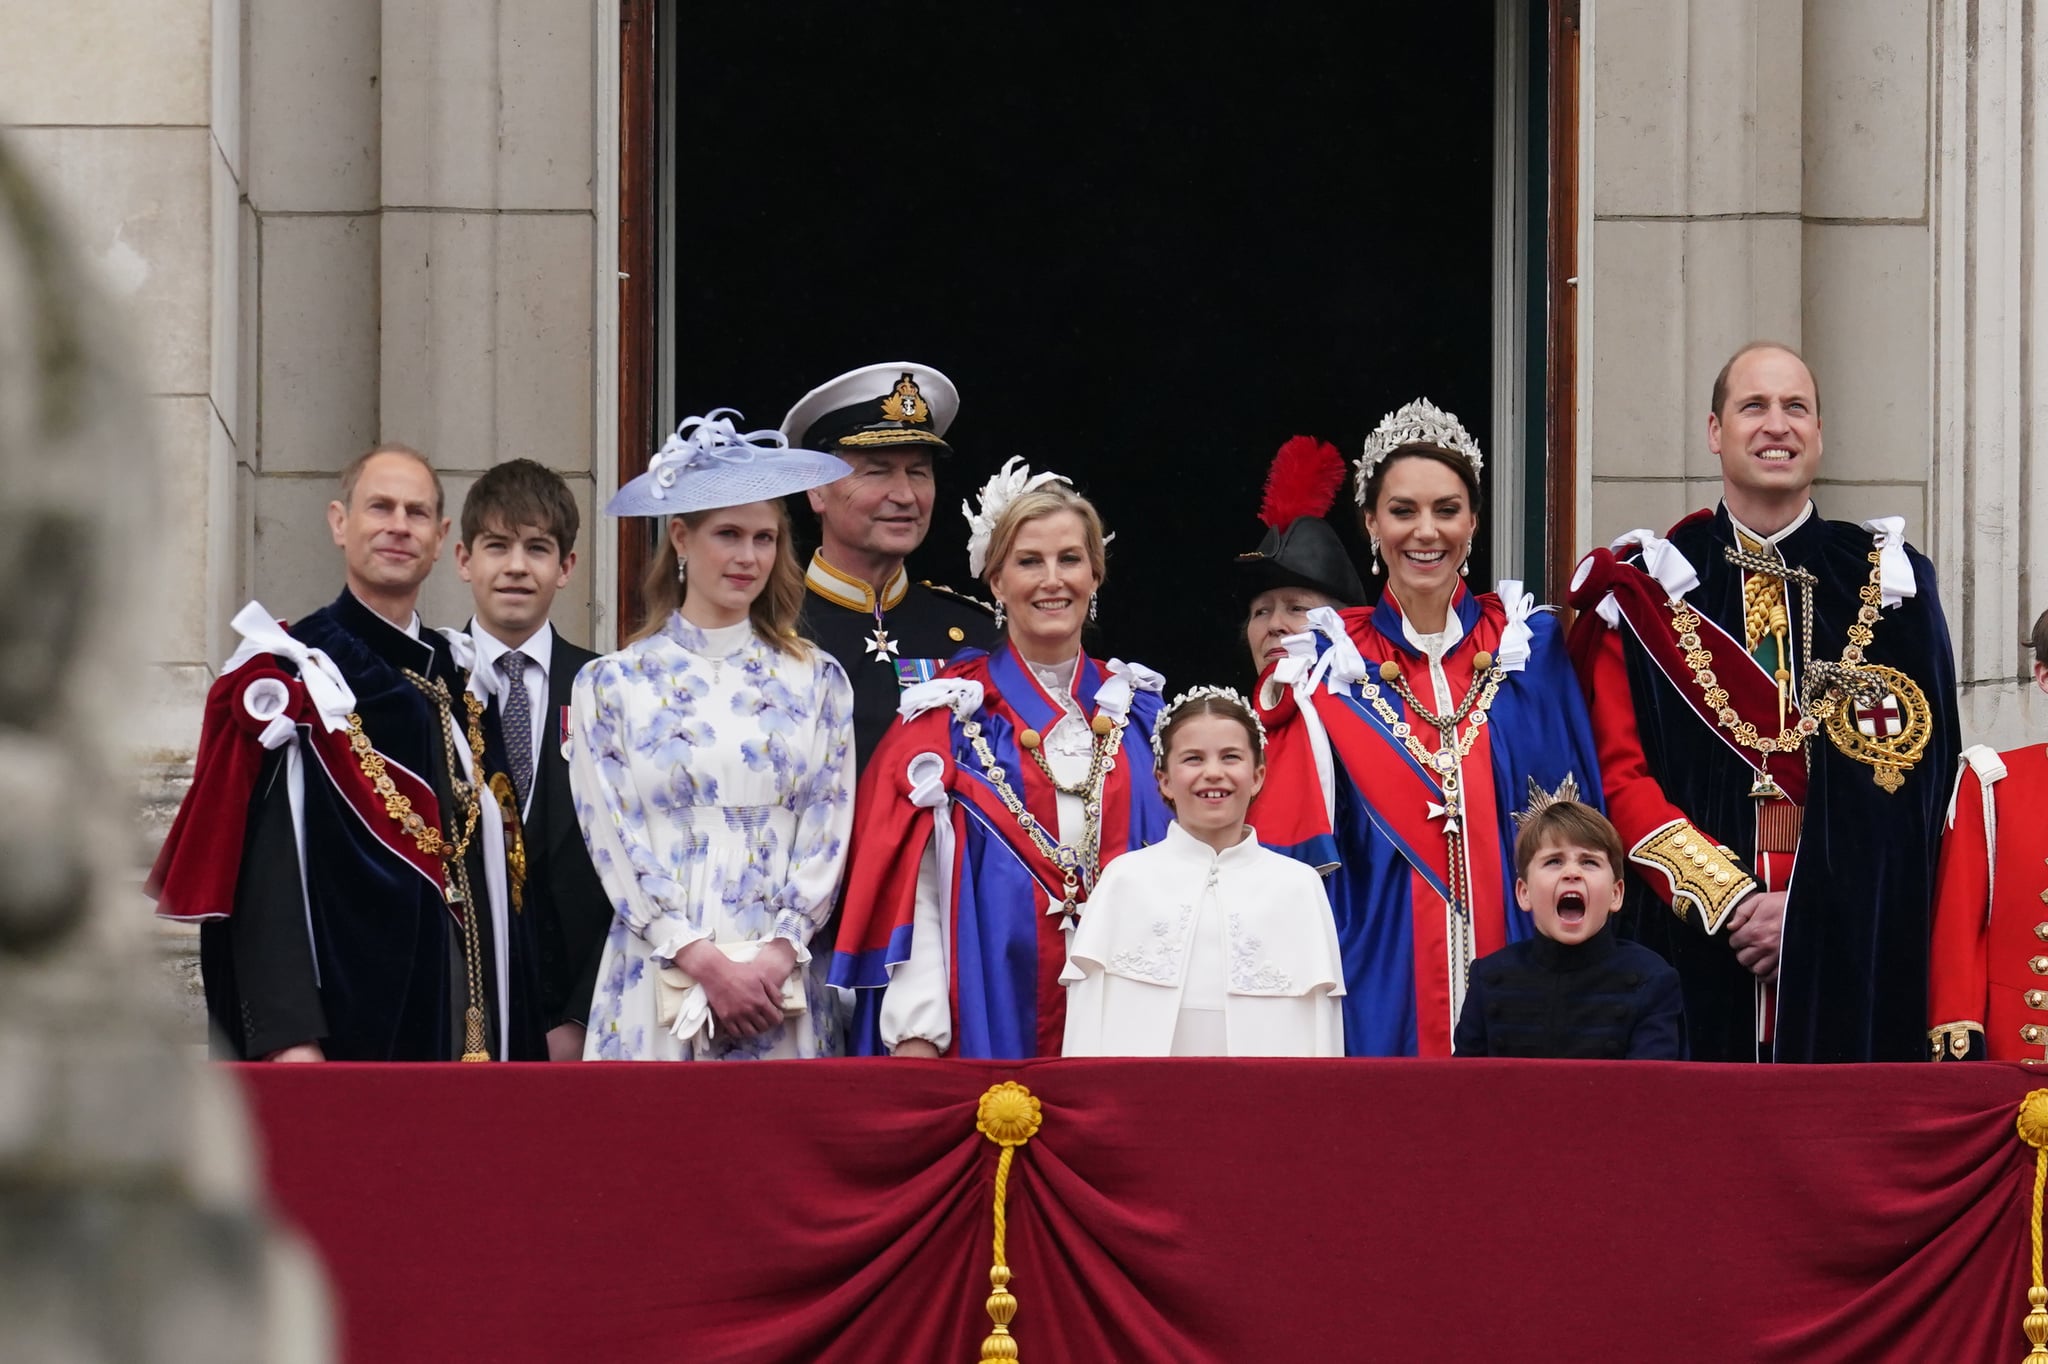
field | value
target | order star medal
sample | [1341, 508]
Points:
[881, 647]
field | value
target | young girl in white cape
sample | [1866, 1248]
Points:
[1206, 944]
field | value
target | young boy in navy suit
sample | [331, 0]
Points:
[517, 549]
[1577, 989]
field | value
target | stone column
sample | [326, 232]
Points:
[1989, 373]
[1846, 176]
[487, 241]
[1695, 181]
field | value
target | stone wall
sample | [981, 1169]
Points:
[328, 225]
[1847, 176]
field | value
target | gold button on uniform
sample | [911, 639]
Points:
[2033, 1032]
[2041, 931]
[955, 633]
[2038, 965]
[2037, 999]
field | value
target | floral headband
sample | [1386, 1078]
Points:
[1229, 694]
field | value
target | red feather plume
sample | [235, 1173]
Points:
[1303, 481]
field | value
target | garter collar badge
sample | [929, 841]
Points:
[1885, 724]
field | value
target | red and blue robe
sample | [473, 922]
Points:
[1007, 950]
[1383, 829]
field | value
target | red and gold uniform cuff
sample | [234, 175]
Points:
[1698, 872]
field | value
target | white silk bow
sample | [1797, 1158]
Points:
[1113, 697]
[330, 693]
[1894, 569]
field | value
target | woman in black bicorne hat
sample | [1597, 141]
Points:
[1301, 564]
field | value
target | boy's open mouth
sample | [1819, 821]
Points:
[1571, 908]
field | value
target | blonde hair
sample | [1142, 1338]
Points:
[1048, 499]
[773, 613]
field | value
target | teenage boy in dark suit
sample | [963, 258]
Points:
[517, 549]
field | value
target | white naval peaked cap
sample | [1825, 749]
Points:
[895, 405]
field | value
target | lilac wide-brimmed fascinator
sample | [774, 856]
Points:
[707, 463]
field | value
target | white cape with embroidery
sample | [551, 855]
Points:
[1184, 951]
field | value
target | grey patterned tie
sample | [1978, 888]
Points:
[518, 722]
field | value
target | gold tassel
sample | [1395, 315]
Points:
[1008, 1115]
[2032, 1125]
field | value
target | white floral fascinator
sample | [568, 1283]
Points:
[1011, 482]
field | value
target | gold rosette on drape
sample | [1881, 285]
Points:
[1009, 1115]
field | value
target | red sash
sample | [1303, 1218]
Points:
[1752, 693]
[197, 869]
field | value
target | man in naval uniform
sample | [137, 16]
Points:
[1774, 700]
[889, 422]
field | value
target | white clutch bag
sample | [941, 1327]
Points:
[682, 1007]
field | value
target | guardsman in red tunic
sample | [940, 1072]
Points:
[1988, 981]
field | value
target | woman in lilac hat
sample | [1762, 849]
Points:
[712, 763]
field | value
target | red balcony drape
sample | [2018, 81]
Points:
[1167, 1210]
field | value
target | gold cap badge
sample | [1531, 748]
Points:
[906, 404]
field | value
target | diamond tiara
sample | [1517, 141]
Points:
[1421, 422]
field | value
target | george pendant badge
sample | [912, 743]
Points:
[1886, 725]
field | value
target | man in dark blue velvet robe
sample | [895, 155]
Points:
[1775, 703]
[343, 845]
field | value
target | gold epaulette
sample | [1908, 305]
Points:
[945, 591]
[1700, 871]
[1951, 1041]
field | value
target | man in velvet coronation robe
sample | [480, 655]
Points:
[350, 845]
[1774, 699]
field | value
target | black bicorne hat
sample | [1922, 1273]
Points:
[1301, 549]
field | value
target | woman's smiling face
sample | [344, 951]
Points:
[1425, 522]
[1044, 584]
[1211, 773]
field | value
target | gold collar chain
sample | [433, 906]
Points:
[1080, 866]
[475, 1039]
[1487, 676]
[1823, 684]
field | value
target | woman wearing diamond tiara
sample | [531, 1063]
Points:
[1404, 736]
[712, 765]
[989, 810]
[1206, 944]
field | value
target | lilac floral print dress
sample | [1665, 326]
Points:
[713, 778]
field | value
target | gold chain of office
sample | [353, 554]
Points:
[431, 841]
[1824, 684]
[1078, 866]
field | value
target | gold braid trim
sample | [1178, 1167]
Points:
[1700, 872]
[1951, 1041]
